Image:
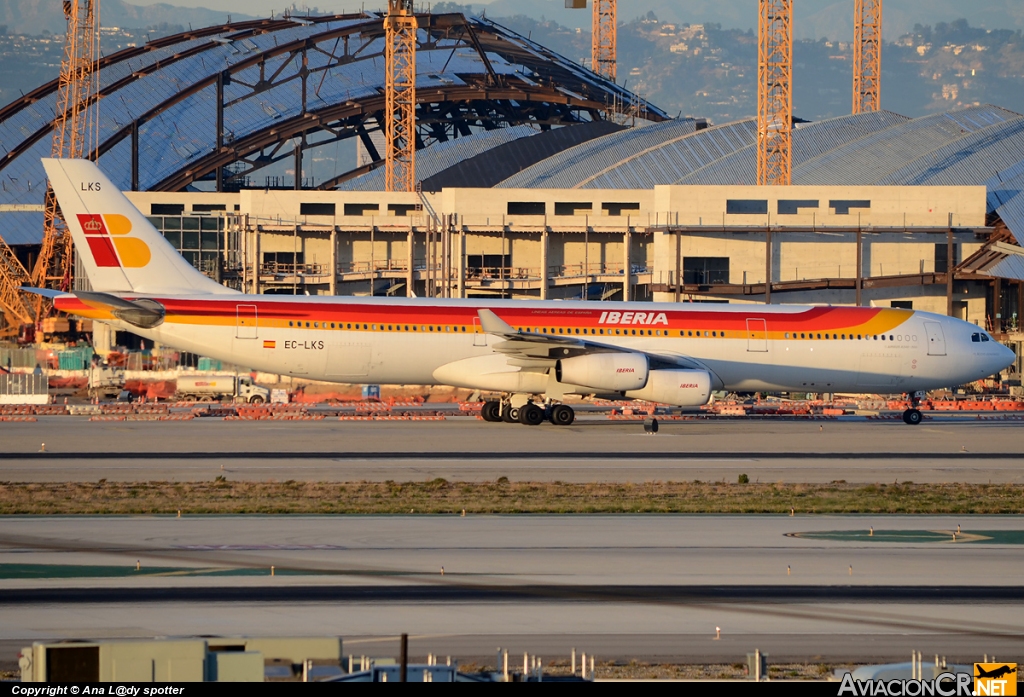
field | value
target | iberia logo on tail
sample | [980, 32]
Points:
[109, 242]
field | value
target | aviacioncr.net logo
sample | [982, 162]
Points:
[945, 685]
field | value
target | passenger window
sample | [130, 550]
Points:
[890, 338]
[290, 324]
[307, 325]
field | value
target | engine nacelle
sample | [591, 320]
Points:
[680, 388]
[608, 372]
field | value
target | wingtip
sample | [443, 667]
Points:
[492, 324]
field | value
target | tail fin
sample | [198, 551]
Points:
[120, 249]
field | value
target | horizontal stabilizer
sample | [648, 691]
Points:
[45, 292]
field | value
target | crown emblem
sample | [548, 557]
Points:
[92, 225]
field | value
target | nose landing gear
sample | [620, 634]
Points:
[912, 416]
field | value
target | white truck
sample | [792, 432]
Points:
[105, 382]
[209, 388]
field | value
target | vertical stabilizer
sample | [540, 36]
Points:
[120, 249]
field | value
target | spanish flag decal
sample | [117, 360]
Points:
[269, 344]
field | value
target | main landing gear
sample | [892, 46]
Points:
[528, 413]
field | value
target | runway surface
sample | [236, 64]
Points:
[72, 449]
[645, 587]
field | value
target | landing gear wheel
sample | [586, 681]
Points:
[491, 411]
[912, 417]
[562, 415]
[530, 414]
[509, 414]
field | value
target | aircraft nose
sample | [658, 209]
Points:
[1006, 357]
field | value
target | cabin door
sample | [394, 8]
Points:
[936, 339]
[245, 323]
[757, 335]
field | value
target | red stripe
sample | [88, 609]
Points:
[103, 251]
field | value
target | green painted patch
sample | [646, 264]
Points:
[75, 571]
[992, 537]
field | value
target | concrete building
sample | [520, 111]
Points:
[835, 244]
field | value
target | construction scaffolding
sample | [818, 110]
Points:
[603, 49]
[867, 55]
[400, 96]
[774, 92]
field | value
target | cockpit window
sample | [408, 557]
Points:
[984, 337]
[976, 337]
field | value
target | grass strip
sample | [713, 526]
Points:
[443, 497]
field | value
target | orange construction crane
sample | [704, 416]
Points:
[603, 38]
[75, 133]
[400, 96]
[775, 92]
[867, 55]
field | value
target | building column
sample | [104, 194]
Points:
[334, 261]
[950, 266]
[997, 305]
[626, 274]
[462, 263]
[410, 272]
[544, 263]
[860, 267]
[679, 251]
[255, 261]
[768, 266]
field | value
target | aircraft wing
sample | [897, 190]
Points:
[540, 351]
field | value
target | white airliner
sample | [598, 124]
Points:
[533, 352]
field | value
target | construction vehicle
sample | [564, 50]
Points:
[106, 382]
[209, 388]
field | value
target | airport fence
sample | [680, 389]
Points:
[23, 384]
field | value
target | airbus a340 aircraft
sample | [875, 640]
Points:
[534, 353]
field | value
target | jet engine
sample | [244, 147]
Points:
[681, 388]
[605, 372]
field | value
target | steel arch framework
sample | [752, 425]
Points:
[479, 75]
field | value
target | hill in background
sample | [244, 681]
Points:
[34, 16]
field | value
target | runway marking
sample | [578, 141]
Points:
[996, 537]
[492, 455]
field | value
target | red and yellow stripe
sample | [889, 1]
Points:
[319, 316]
